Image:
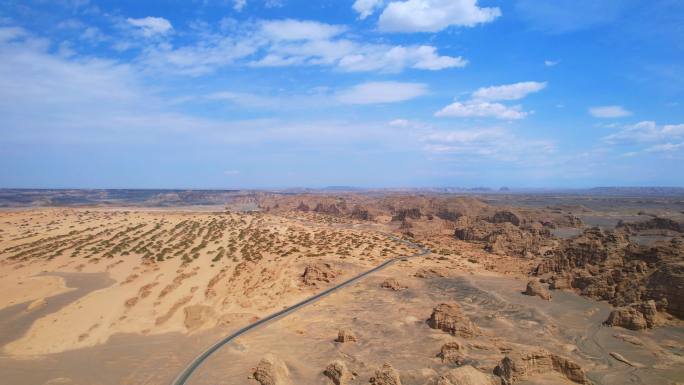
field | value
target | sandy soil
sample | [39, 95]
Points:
[171, 271]
[121, 296]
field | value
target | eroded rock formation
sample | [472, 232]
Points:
[329, 209]
[504, 237]
[361, 214]
[272, 371]
[534, 287]
[392, 284]
[449, 318]
[635, 316]
[521, 364]
[467, 375]
[606, 265]
[345, 335]
[338, 373]
[318, 273]
[452, 353]
[656, 223]
[386, 375]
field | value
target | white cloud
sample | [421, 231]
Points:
[428, 59]
[46, 98]
[381, 92]
[514, 91]
[673, 130]
[93, 35]
[10, 33]
[239, 5]
[646, 131]
[434, 15]
[480, 109]
[151, 26]
[480, 104]
[609, 112]
[366, 8]
[396, 58]
[291, 43]
[496, 143]
[273, 3]
[403, 123]
[551, 63]
[194, 60]
[290, 29]
[666, 147]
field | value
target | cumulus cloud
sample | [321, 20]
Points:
[482, 103]
[434, 15]
[551, 63]
[381, 92]
[366, 8]
[609, 112]
[514, 91]
[151, 26]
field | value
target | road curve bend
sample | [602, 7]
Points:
[183, 377]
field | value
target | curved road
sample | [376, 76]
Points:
[183, 377]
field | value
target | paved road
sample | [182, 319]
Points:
[183, 377]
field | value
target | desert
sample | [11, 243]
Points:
[480, 290]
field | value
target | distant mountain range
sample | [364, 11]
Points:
[179, 197]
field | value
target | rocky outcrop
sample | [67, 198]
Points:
[345, 335]
[318, 273]
[361, 214]
[448, 215]
[504, 237]
[431, 272]
[338, 373]
[272, 371]
[449, 318]
[521, 364]
[386, 375]
[635, 316]
[592, 247]
[535, 288]
[467, 375]
[666, 286]
[404, 214]
[303, 207]
[452, 353]
[392, 284]
[505, 216]
[560, 282]
[328, 209]
[656, 223]
[622, 359]
[606, 265]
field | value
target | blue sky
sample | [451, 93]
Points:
[370, 93]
